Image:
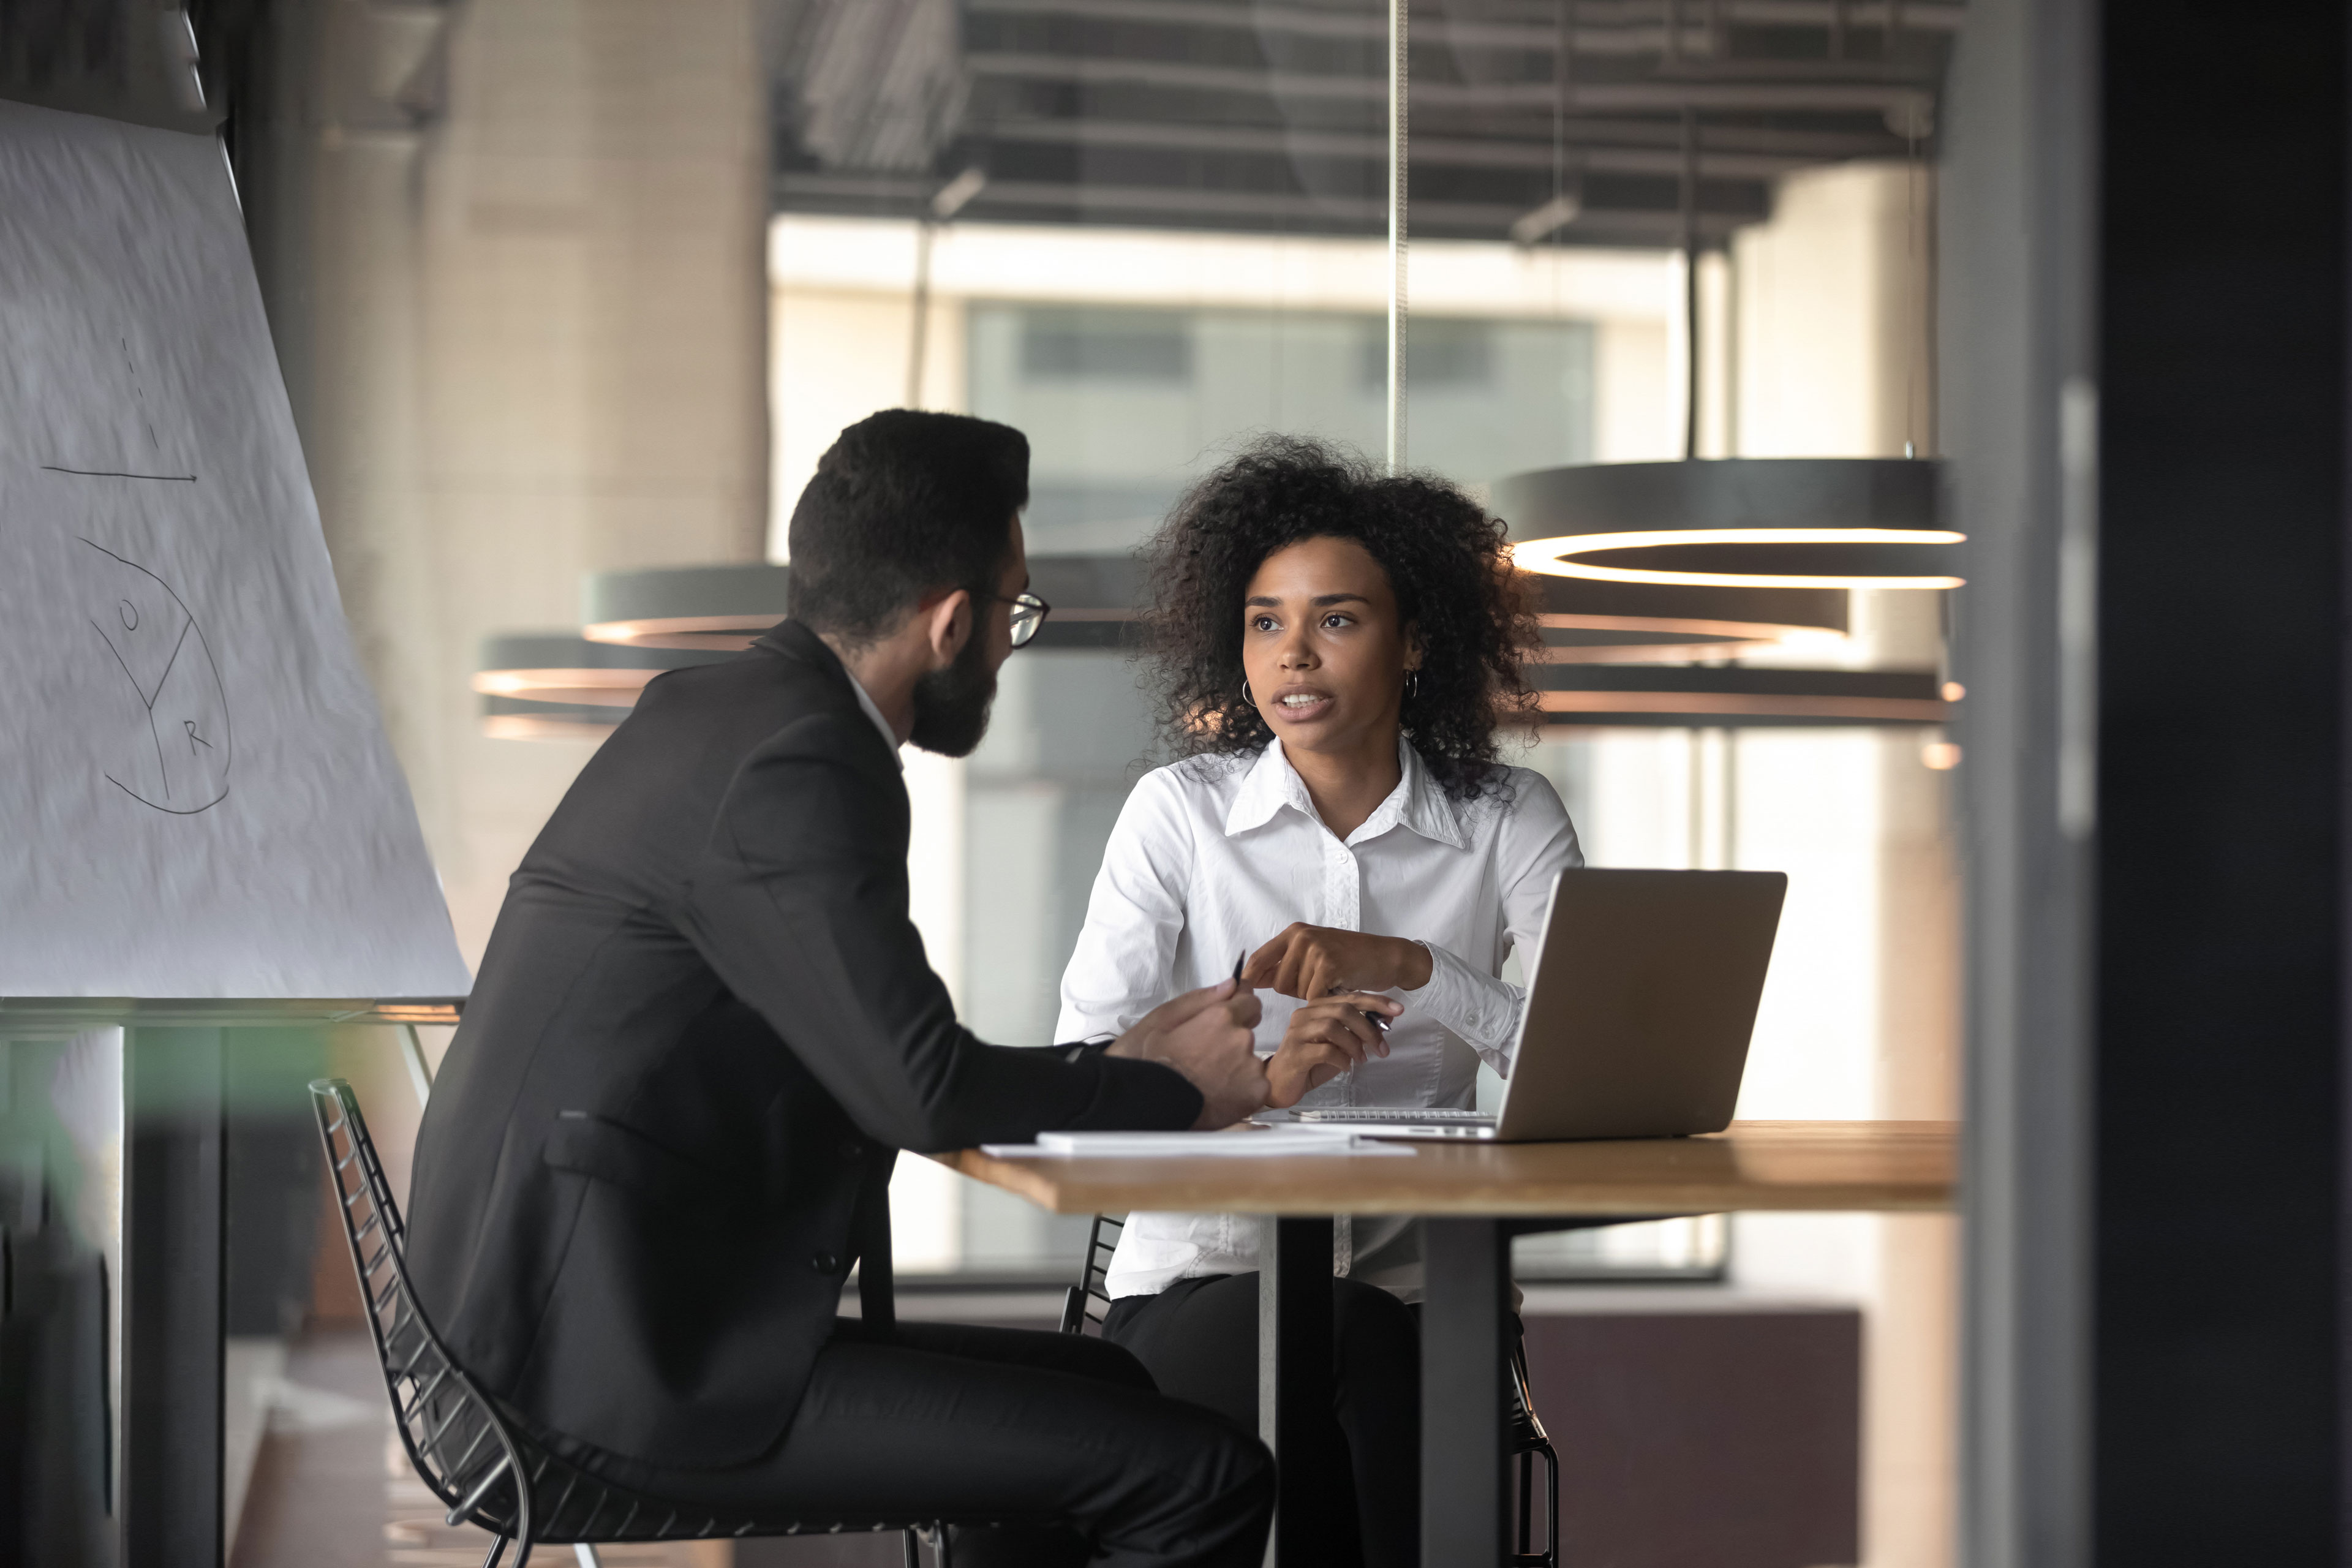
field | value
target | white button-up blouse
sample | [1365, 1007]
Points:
[1214, 855]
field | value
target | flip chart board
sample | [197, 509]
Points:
[196, 795]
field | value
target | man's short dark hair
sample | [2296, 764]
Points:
[903, 503]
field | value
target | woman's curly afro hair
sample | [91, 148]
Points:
[1447, 561]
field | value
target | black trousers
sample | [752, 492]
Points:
[1199, 1341]
[1059, 1438]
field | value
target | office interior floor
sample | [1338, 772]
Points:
[1695, 1429]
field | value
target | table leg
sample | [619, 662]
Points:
[1464, 1492]
[171, 1307]
[1293, 1373]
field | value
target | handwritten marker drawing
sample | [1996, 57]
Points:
[174, 747]
[131, 468]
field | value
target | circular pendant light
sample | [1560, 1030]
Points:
[1600, 663]
[718, 608]
[723, 609]
[558, 685]
[1593, 621]
[1705, 696]
[1097, 599]
[1778, 523]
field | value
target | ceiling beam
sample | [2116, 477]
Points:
[1434, 151]
[1665, 95]
[1603, 29]
[1656, 226]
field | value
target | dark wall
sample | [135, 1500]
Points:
[1702, 1439]
[2219, 1079]
[2144, 257]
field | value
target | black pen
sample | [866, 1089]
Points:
[1238, 962]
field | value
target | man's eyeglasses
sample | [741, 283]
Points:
[1029, 613]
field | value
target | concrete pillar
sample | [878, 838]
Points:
[593, 345]
[1834, 358]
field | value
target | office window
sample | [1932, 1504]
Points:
[1105, 346]
[1123, 407]
[1444, 355]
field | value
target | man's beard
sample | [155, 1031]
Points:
[951, 704]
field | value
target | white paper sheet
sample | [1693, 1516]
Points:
[1272, 1143]
[196, 798]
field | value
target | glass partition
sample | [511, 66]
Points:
[520, 279]
[1144, 238]
[1125, 405]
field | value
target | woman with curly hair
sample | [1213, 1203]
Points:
[1333, 651]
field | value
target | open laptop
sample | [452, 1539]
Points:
[1638, 1017]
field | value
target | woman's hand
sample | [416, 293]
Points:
[1205, 1035]
[1324, 1039]
[1312, 961]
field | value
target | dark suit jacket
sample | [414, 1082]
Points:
[703, 1029]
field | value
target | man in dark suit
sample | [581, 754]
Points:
[703, 1029]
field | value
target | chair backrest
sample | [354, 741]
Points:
[481, 1462]
[456, 1440]
[1088, 1300]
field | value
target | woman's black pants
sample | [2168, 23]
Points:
[1199, 1341]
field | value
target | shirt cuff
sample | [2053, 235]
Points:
[1480, 1009]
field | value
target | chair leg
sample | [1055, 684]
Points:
[910, 1542]
[1551, 1508]
[1526, 1498]
[586, 1555]
[497, 1549]
[947, 1546]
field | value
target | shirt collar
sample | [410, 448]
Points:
[889, 736]
[1417, 802]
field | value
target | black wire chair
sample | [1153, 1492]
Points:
[472, 1454]
[1529, 1441]
[1093, 1286]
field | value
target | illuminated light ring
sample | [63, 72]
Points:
[601, 687]
[541, 727]
[1557, 556]
[726, 633]
[1684, 626]
[733, 634]
[432, 1013]
[1563, 707]
[1649, 652]
[1706, 638]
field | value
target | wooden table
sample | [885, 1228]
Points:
[1472, 1199]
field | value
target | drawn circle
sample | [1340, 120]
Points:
[170, 741]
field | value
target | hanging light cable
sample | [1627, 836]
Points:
[1400, 89]
[1778, 524]
[1689, 197]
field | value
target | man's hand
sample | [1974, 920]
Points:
[1323, 1040]
[1206, 1036]
[1311, 961]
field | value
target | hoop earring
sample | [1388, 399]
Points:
[1412, 685]
[1245, 695]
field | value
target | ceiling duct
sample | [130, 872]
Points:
[868, 86]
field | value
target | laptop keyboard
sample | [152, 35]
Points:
[1423, 1114]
